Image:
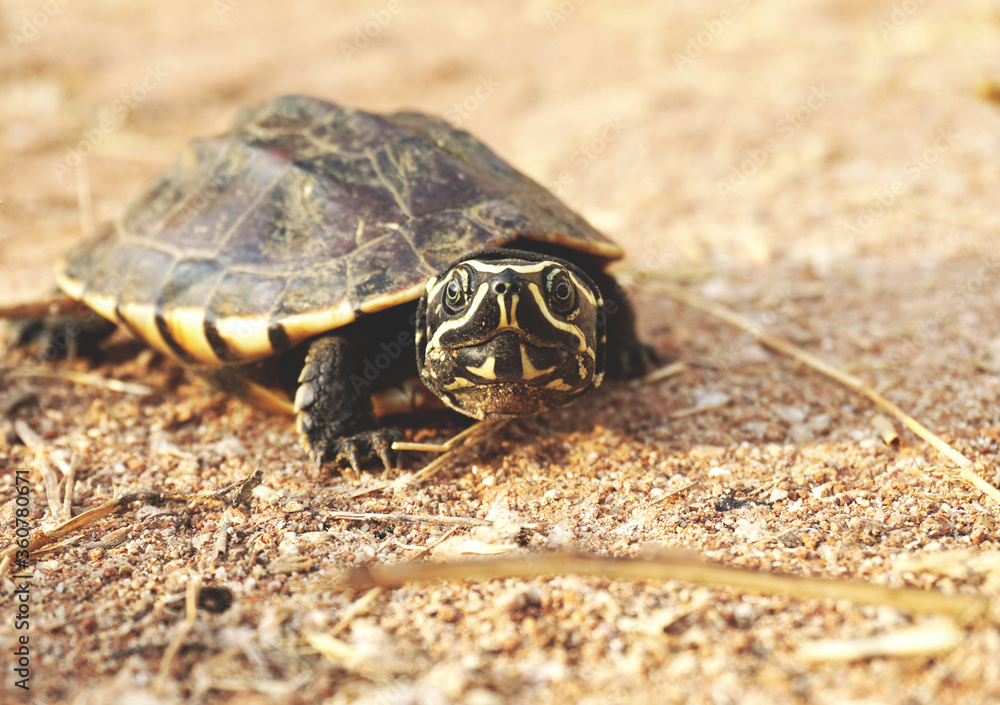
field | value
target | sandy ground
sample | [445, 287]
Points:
[828, 169]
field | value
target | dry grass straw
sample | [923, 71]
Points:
[965, 469]
[886, 429]
[701, 408]
[364, 603]
[476, 429]
[409, 518]
[934, 636]
[964, 608]
[87, 378]
[658, 375]
[450, 449]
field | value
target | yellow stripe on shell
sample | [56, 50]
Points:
[245, 335]
[300, 326]
[72, 287]
[104, 304]
[603, 248]
[142, 319]
[187, 327]
[386, 301]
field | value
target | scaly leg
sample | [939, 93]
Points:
[335, 415]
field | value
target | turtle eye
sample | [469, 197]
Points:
[562, 292]
[454, 297]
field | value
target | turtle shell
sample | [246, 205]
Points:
[298, 220]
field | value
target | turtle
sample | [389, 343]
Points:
[342, 265]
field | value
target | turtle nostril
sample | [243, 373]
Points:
[501, 288]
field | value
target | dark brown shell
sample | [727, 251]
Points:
[301, 217]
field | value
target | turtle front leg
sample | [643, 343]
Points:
[335, 414]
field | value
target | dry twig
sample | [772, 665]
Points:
[962, 607]
[664, 497]
[449, 450]
[658, 375]
[88, 378]
[886, 430]
[360, 605]
[410, 518]
[691, 411]
[933, 637]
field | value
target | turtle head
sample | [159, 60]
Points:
[505, 333]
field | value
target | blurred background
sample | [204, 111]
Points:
[724, 134]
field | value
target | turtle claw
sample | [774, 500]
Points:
[359, 447]
[332, 412]
[382, 445]
[349, 451]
